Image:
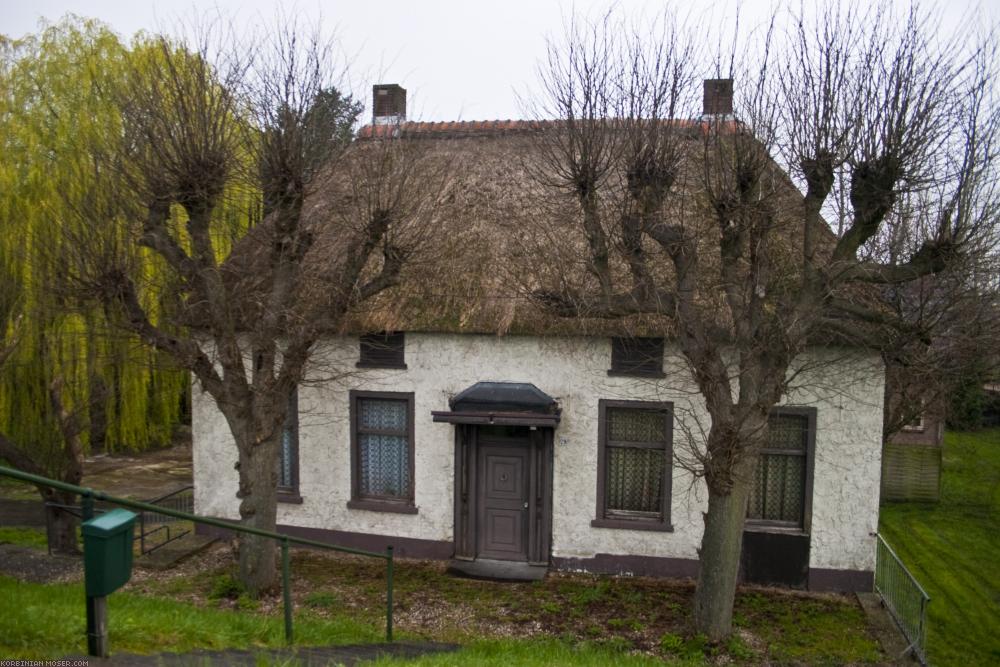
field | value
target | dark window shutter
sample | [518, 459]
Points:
[637, 356]
[383, 350]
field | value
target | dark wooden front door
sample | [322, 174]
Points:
[503, 493]
[503, 504]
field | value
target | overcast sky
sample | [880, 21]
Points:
[459, 59]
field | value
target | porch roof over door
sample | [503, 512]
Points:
[501, 403]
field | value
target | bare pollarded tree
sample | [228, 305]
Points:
[717, 225]
[205, 133]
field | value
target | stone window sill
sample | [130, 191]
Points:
[624, 524]
[379, 506]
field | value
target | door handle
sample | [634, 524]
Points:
[526, 505]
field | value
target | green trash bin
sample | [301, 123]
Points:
[107, 551]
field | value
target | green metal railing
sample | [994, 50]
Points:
[89, 496]
[903, 596]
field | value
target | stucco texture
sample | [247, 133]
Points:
[845, 387]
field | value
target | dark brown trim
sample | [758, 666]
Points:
[821, 579]
[381, 506]
[496, 418]
[382, 350]
[290, 494]
[637, 357]
[638, 524]
[641, 566]
[370, 502]
[601, 517]
[404, 547]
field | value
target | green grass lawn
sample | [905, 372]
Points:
[23, 536]
[44, 622]
[953, 549]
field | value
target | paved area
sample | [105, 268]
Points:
[22, 512]
[889, 636]
[34, 565]
[313, 656]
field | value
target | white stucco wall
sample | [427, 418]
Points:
[845, 387]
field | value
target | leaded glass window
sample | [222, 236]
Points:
[779, 487]
[288, 450]
[383, 446]
[635, 462]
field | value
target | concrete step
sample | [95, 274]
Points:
[170, 554]
[497, 570]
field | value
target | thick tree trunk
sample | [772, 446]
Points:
[61, 525]
[258, 509]
[721, 545]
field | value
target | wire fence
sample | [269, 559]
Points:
[903, 596]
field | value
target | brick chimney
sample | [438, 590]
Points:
[388, 104]
[718, 99]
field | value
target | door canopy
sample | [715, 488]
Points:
[502, 403]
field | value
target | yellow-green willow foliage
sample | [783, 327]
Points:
[56, 127]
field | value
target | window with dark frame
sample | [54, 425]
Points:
[383, 350]
[641, 357]
[382, 451]
[781, 488]
[288, 454]
[916, 424]
[634, 462]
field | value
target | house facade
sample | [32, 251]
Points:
[553, 459]
[484, 429]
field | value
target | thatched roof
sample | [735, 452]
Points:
[491, 234]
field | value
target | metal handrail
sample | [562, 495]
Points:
[150, 518]
[170, 493]
[90, 495]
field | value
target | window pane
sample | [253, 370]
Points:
[382, 414]
[788, 432]
[385, 465]
[779, 489]
[636, 425]
[286, 456]
[635, 479]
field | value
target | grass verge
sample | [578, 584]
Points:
[951, 548]
[25, 537]
[47, 621]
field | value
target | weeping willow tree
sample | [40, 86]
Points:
[55, 116]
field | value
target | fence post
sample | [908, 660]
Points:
[286, 590]
[388, 594]
[97, 611]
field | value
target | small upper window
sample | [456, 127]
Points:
[642, 357]
[915, 424]
[382, 350]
